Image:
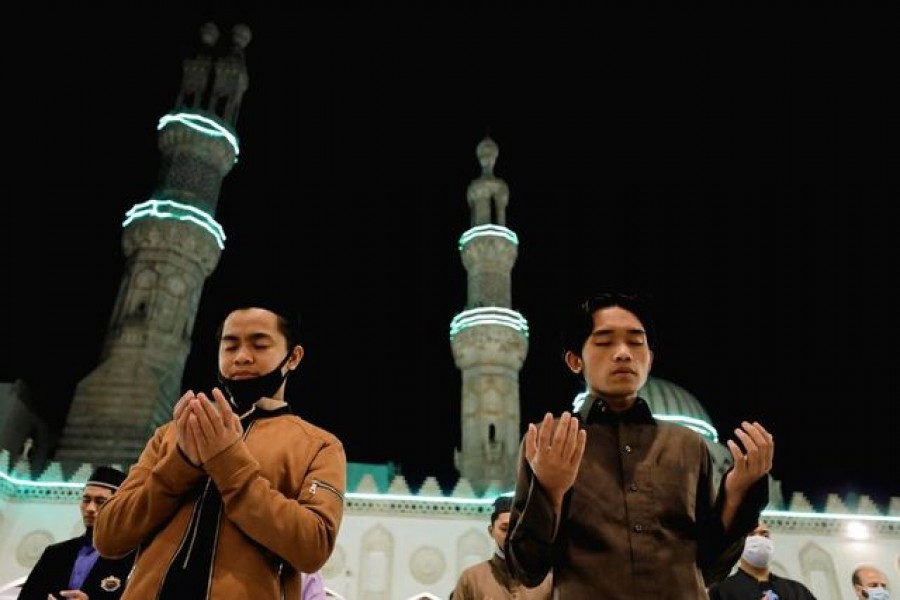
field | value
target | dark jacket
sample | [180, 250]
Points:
[743, 586]
[105, 581]
[643, 519]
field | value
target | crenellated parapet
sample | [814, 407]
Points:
[414, 539]
[367, 496]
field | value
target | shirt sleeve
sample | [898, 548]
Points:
[532, 524]
[149, 496]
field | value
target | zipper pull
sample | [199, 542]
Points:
[312, 488]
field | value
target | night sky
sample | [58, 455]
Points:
[744, 177]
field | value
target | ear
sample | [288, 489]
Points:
[296, 357]
[573, 362]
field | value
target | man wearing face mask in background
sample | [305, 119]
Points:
[491, 579]
[235, 496]
[753, 580]
[869, 583]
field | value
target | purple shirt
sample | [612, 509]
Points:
[84, 562]
[313, 586]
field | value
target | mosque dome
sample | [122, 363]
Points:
[670, 402]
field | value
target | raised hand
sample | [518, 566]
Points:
[214, 427]
[554, 451]
[182, 432]
[751, 463]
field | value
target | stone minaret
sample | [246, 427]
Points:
[171, 244]
[489, 340]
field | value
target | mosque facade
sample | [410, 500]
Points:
[395, 543]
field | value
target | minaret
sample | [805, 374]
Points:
[171, 244]
[489, 340]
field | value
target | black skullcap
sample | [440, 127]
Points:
[502, 504]
[108, 477]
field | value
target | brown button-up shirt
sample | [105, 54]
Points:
[492, 579]
[642, 520]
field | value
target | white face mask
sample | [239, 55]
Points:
[758, 551]
[876, 593]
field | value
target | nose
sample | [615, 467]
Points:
[243, 356]
[622, 353]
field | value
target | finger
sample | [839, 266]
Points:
[765, 440]
[196, 430]
[748, 443]
[580, 446]
[531, 442]
[182, 403]
[209, 418]
[545, 433]
[737, 455]
[205, 419]
[571, 440]
[560, 432]
[224, 407]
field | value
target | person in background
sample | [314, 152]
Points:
[235, 496]
[491, 579]
[312, 586]
[870, 583]
[73, 568]
[753, 580]
[617, 504]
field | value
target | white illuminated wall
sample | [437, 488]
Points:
[400, 546]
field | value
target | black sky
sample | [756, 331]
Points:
[745, 177]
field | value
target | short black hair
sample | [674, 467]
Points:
[277, 301]
[579, 321]
[502, 504]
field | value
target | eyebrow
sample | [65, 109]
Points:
[610, 331]
[259, 335]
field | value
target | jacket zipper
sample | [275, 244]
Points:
[316, 483]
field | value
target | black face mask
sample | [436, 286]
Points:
[243, 393]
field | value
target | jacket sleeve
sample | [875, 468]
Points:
[720, 549]
[35, 587]
[300, 530]
[532, 522]
[149, 496]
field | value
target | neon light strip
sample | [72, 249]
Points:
[488, 230]
[494, 315]
[701, 427]
[170, 209]
[832, 516]
[450, 500]
[204, 125]
[698, 425]
[44, 484]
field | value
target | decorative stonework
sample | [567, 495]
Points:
[32, 546]
[217, 151]
[489, 344]
[427, 565]
[177, 237]
[336, 564]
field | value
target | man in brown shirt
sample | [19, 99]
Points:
[619, 505]
[491, 579]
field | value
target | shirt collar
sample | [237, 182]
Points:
[595, 410]
[260, 413]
